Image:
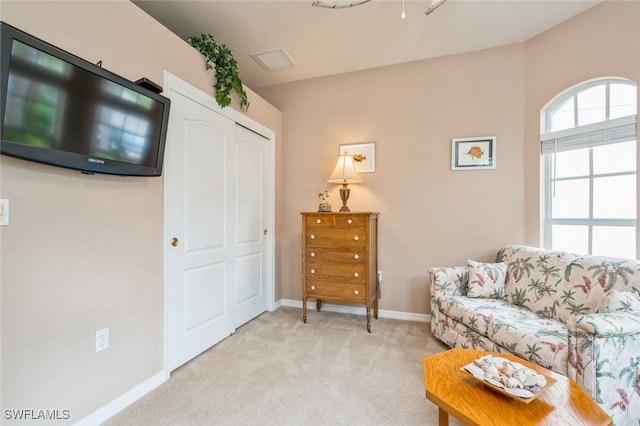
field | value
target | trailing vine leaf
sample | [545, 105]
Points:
[219, 58]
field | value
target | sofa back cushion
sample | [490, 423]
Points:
[560, 285]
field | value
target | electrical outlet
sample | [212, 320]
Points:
[4, 212]
[102, 339]
[380, 276]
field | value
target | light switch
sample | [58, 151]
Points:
[4, 212]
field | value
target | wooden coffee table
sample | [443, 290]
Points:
[458, 394]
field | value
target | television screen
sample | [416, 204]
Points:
[61, 110]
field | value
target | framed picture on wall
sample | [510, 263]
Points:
[473, 153]
[364, 156]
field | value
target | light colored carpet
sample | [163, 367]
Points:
[276, 370]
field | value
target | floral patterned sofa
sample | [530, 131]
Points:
[576, 315]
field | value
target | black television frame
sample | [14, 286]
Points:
[70, 160]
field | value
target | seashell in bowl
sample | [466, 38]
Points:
[512, 382]
[492, 372]
[530, 381]
[521, 375]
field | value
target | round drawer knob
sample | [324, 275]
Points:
[356, 292]
[313, 271]
[318, 220]
[313, 237]
[355, 274]
[313, 287]
[349, 221]
[313, 254]
[356, 257]
[356, 238]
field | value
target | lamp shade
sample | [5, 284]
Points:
[345, 171]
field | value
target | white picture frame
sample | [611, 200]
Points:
[477, 153]
[364, 156]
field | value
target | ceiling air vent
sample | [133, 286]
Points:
[275, 59]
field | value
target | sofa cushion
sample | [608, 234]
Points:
[535, 278]
[616, 301]
[486, 279]
[561, 285]
[538, 339]
[475, 313]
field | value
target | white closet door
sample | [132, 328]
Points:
[199, 214]
[251, 234]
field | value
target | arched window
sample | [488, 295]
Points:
[589, 143]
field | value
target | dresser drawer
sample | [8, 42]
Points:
[349, 221]
[330, 237]
[342, 291]
[353, 256]
[319, 221]
[355, 274]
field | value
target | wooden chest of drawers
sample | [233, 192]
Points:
[340, 259]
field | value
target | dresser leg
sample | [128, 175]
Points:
[368, 319]
[375, 308]
[304, 310]
[318, 304]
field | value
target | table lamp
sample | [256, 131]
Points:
[344, 173]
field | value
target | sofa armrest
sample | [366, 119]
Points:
[607, 324]
[604, 358]
[448, 281]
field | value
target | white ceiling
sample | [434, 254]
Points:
[332, 41]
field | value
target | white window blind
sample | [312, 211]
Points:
[603, 133]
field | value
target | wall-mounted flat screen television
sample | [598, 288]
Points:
[58, 109]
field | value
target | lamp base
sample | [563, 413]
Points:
[344, 196]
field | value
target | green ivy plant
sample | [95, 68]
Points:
[220, 58]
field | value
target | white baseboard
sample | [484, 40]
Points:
[278, 304]
[358, 310]
[106, 412]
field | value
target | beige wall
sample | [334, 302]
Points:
[601, 42]
[86, 252]
[429, 214]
